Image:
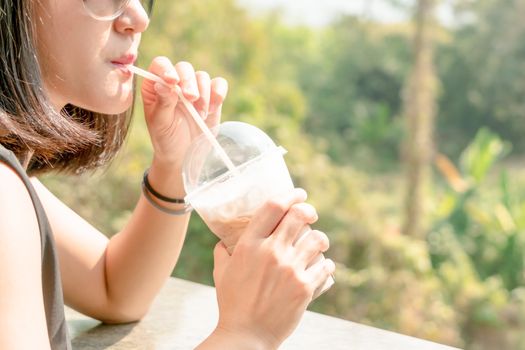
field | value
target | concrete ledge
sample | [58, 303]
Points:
[185, 313]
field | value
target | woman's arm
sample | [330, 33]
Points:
[223, 339]
[116, 280]
[22, 315]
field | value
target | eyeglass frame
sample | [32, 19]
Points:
[119, 12]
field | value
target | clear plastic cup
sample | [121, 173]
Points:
[227, 200]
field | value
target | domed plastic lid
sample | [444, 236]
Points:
[242, 142]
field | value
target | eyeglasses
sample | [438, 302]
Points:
[108, 10]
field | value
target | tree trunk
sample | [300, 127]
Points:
[420, 110]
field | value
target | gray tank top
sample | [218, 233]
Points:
[51, 284]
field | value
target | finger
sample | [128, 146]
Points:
[220, 258]
[204, 84]
[188, 81]
[159, 96]
[219, 90]
[271, 213]
[162, 67]
[310, 246]
[294, 222]
[320, 275]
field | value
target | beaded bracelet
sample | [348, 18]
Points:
[148, 191]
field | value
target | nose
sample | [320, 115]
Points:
[134, 19]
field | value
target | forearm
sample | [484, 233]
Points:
[142, 256]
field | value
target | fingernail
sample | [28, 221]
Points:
[161, 89]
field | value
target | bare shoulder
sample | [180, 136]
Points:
[15, 202]
[21, 299]
[18, 223]
[19, 229]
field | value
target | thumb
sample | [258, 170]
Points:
[220, 260]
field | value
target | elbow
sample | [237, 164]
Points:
[120, 319]
[123, 314]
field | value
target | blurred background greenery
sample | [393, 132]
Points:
[362, 106]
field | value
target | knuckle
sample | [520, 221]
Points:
[315, 237]
[275, 205]
[242, 248]
[320, 239]
[304, 212]
[303, 291]
[290, 273]
[297, 211]
[272, 259]
[273, 255]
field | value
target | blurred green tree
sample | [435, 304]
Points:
[483, 71]
[420, 112]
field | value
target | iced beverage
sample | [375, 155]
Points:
[227, 201]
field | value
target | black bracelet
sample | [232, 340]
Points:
[187, 208]
[158, 195]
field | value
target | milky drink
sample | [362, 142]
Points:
[228, 203]
[227, 200]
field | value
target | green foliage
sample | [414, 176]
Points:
[355, 94]
[482, 70]
[488, 234]
[482, 153]
[478, 244]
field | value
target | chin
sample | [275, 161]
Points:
[120, 107]
[112, 104]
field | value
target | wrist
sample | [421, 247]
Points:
[167, 179]
[243, 340]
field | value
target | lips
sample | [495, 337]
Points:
[125, 60]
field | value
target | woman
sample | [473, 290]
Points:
[65, 100]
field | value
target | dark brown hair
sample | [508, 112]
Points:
[73, 140]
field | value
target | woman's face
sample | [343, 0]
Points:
[81, 58]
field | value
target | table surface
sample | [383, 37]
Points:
[184, 313]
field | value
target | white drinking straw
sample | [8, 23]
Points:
[194, 114]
